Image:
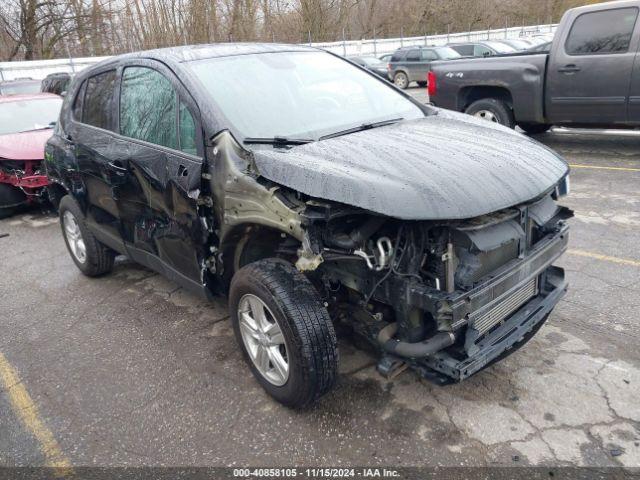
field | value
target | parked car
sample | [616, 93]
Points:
[589, 78]
[372, 64]
[26, 123]
[519, 45]
[57, 83]
[319, 194]
[412, 64]
[487, 48]
[21, 86]
[540, 48]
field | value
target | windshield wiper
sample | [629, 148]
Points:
[277, 141]
[364, 126]
[48, 127]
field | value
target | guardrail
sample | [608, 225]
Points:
[381, 46]
[377, 46]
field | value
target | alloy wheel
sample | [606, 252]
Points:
[74, 237]
[263, 339]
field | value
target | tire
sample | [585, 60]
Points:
[97, 259]
[534, 128]
[291, 303]
[11, 199]
[494, 110]
[401, 80]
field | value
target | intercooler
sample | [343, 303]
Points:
[494, 313]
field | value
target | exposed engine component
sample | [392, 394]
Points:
[383, 258]
[413, 350]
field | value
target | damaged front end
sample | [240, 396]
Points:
[447, 298]
[444, 297]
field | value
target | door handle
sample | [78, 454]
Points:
[571, 68]
[183, 171]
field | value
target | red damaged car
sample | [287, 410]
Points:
[26, 123]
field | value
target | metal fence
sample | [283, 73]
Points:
[39, 69]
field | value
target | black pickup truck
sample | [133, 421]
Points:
[590, 78]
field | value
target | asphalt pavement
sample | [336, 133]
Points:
[131, 370]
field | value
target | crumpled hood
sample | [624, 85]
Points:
[442, 167]
[24, 145]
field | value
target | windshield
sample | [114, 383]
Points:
[25, 115]
[519, 44]
[373, 61]
[501, 47]
[446, 53]
[20, 88]
[298, 94]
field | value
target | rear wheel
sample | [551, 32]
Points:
[285, 332]
[534, 128]
[11, 199]
[89, 255]
[493, 110]
[401, 80]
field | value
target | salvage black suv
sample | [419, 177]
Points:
[313, 194]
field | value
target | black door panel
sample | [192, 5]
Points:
[158, 204]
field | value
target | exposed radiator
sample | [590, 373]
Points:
[486, 319]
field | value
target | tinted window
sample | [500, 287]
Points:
[429, 55]
[148, 105]
[602, 32]
[98, 100]
[77, 102]
[187, 131]
[413, 56]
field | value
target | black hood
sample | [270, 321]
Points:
[442, 167]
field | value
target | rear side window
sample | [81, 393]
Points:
[97, 109]
[148, 107]
[608, 31]
[413, 56]
[77, 102]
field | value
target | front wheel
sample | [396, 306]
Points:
[285, 332]
[534, 128]
[493, 110]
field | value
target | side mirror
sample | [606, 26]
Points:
[486, 54]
